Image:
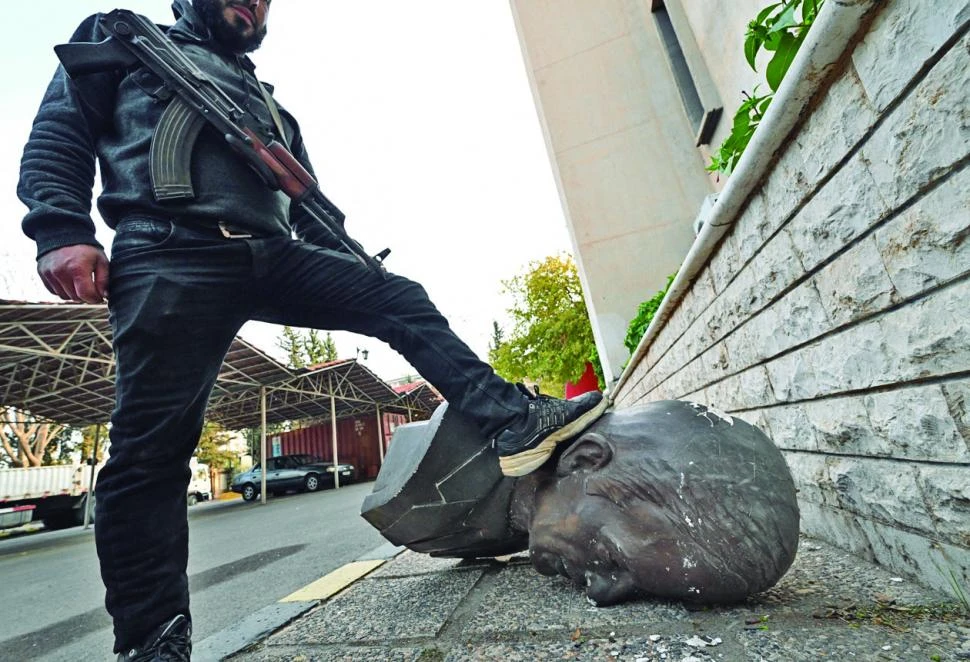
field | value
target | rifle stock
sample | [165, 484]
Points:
[80, 58]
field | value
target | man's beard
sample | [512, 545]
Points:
[224, 32]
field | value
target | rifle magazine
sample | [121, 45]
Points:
[171, 151]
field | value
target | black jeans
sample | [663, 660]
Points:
[178, 296]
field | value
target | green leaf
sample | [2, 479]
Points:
[751, 48]
[741, 122]
[772, 40]
[784, 20]
[763, 104]
[766, 12]
[810, 11]
[782, 59]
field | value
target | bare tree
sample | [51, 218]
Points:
[26, 441]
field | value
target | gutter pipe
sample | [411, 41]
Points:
[834, 29]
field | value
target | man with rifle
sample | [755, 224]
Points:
[204, 214]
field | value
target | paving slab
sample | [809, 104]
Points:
[829, 606]
[412, 563]
[384, 610]
[521, 602]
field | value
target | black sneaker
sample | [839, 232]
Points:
[171, 642]
[548, 422]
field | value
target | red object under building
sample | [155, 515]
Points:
[588, 382]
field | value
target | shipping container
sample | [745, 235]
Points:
[356, 444]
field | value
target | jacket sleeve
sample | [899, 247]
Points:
[305, 226]
[58, 165]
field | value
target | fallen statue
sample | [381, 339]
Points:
[671, 499]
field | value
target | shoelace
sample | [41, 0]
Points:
[174, 647]
[551, 411]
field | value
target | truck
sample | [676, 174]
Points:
[200, 484]
[57, 495]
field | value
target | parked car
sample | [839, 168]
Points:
[302, 472]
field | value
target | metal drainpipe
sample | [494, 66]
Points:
[833, 30]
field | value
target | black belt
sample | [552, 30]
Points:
[223, 228]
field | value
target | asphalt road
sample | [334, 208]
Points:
[242, 557]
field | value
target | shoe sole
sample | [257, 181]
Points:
[528, 461]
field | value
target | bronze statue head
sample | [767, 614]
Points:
[669, 499]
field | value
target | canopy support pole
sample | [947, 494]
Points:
[262, 443]
[333, 437]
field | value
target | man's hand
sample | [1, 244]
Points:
[77, 273]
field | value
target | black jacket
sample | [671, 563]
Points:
[112, 116]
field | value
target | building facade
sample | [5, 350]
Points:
[824, 297]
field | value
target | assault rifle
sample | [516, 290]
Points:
[198, 100]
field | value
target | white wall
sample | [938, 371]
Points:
[630, 179]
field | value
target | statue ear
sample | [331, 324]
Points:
[591, 452]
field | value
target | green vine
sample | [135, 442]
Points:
[779, 28]
[646, 311]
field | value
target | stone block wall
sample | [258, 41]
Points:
[836, 312]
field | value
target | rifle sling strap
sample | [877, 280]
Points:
[273, 110]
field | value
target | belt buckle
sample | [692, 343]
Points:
[229, 233]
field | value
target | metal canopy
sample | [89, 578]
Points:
[420, 396]
[57, 363]
[306, 395]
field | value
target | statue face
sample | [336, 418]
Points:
[609, 550]
[671, 500]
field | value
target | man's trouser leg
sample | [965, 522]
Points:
[174, 311]
[178, 296]
[307, 286]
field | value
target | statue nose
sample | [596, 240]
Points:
[606, 590]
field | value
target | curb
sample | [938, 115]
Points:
[23, 529]
[261, 624]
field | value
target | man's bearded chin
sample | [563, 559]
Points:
[225, 33]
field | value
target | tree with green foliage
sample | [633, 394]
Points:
[305, 347]
[551, 338]
[88, 434]
[213, 449]
[498, 336]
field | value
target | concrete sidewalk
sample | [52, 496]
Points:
[830, 606]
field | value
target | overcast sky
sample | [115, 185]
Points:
[420, 124]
